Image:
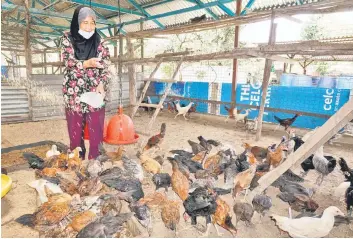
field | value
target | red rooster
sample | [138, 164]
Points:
[286, 122]
[156, 140]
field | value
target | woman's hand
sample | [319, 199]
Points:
[100, 89]
[92, 63]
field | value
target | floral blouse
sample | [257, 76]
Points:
[78, 80]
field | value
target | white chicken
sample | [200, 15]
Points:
[40, 185]
[52, 152]
[309, 226]
[242, 117]
[183, 110]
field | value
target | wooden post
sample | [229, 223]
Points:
[235, 60]
[319, 137]
[45, 61]
[131, 72]
[266, 79]
[28, 57]
[115, 48]
[142, 48]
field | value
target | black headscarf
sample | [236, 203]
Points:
[84, 48]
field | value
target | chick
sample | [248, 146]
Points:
[243, 212]
[162, 180]
[149, 164]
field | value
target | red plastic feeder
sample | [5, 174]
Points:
[120, 130]
[86, 131]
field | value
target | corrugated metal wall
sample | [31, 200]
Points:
[14, 103]
[47, 101]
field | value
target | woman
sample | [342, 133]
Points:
[86, 61]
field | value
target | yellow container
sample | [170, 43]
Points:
[6, 183]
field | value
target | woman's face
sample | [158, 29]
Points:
[88, 24]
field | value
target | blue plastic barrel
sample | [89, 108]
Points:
[344, 82]
[302, 81]
[286, 79]
[327, 82]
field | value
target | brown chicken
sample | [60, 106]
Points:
[74, 161]
[199, 157]
[259, 152]
[67, 186]
[212, 161]
[155, 141]
[222, 217]
[149, 164]
[49, 172]
[275, 158]
[90, 186]
[180, 183]
[116, 156]
[243, 180]
[171, 215]
[251, 158]
[154, 200]
[82, 219]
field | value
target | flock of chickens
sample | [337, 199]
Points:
[84, 198]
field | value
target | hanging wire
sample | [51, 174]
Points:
[120, 68]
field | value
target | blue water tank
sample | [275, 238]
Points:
[327, 82]
[302, 81]
[286, 79]
[344, 82]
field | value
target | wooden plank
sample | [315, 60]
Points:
[149, 105]
[28, 57]
[319, 137]
[131, 73]
[266, 79]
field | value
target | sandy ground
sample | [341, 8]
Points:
[178, 132]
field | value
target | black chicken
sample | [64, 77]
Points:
[347, 171]
[162, 180]
[308, 164]
[201, 202]
[286, 122]
[182, 153]
[34, 161]
[204, 143]
[198, 19]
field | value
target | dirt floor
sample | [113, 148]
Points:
[21, 198]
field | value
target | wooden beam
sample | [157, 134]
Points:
[266, 79]
[235, 60]
[131, 73]
[142, 48]
[28, 57]
[319, 137]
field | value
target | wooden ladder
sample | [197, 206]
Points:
[158, 106]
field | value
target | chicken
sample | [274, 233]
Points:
[75, 154]
[49, 172]
[82, 219]
[232, 112]
[308, 226]
[162, 180]
[198, 19]
[182, 153]
[180, 183]
[94, 168]
[111, 204]
[74, 163]
[183, 110]
[243, 212]
[291, 187]
[133, 168]
[52, 152]
[262, 203]
[154, 200]
[34, 161]
[259, 152]
[156, 140]
[242, 180]
[107, 226]
[142, 213]
[339, 220]
[190, 164]
[222, 217]
[201, 202]
[204, 143]
[275, 158]
[349, 198]
[149, 164]
[40, 185]
[182, 168]
[299, 202]
[286, 122]
[242, 117]
[89, 186]
[201, 183]
[49, 213]
[171, 215]
[199, 157]
[116, 156]
[346, 170]
[196, 148]
[322, 166]
[212, 161]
